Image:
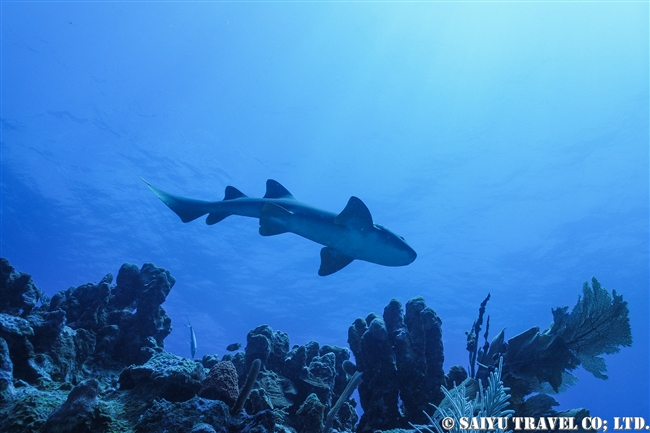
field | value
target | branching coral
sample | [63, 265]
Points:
[535, 361]
[491, 402]
[473, 335]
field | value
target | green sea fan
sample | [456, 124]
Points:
[491, 401]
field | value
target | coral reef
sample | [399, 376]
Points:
[92, 359]
[80, 412]
[401, 357]
[19, 294]
[165, 375]
[535, 361]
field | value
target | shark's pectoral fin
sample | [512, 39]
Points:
[355, 215]
[272, 219]
[332, 260]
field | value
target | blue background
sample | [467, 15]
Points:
[507, 142]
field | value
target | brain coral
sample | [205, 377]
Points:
[221, 383]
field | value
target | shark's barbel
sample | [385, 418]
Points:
[346, 236]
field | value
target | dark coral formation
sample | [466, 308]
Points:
[92, 359]
[289, 377]
[310, 415]
[128, 320]
[401, 357]
[85, 326]
[19, 294]
[80, 412]
[169, 376]
[191, 415]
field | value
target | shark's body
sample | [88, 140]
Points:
[346, 236]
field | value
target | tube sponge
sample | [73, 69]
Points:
[355, 380]
[248, 386]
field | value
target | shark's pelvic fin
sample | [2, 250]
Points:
[355, 215]
[215, 217]
[332, 260]
[275, 190]
[232, 193]
[271, 219]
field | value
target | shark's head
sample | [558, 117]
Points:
[396, 251]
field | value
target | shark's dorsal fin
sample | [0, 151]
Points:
[275, 190]
[332, 260]
[233, 193]
[355, 215]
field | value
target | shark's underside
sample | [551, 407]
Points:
[346, 236]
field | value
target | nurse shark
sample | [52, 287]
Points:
[347, 236]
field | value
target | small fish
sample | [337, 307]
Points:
[232, 347]
[192, 339]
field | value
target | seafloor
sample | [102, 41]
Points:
[92, 359]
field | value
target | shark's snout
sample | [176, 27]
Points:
[412, 255]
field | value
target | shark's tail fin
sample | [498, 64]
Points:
[186, 208]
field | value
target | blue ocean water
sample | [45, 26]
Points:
[507, 142]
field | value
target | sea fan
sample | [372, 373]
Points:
[599, 323]
[491, 401]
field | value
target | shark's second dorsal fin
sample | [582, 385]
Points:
[233, 193]
[275, 190]
[355, 215]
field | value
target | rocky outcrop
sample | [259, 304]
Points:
[165, 375]
[18, 294]
[80, 412]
